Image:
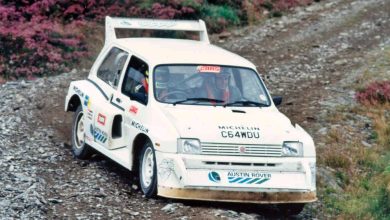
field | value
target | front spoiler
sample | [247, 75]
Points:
[235, 196]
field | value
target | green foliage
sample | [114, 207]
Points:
[369, 198]
[330, 199]
[219, 17]
[374, 135]
[193, 4]
[342, 177]
[380, 205]
[221, 11]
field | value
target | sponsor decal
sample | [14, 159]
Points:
[262, 97]
[166, 168]
[78, 91]
[209, 69]
[214, 177]
[240, 177]
[161, 24]
[139, 126]
[98, 134]
[87, 101]
[90, 114]
[126, 23]
[101, 119]
[133, 109]
[239, 132]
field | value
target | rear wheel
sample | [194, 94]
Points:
[148, 170]
[79, 148]
[291, 209]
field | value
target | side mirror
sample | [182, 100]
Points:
[277, 100]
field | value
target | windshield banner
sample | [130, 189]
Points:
[209, 69]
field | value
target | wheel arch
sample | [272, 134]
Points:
[73, 103]
[138, 143]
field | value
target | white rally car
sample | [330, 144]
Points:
[194, 120]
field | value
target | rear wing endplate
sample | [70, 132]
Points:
[154, 24]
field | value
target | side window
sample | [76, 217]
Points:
[112, 66]
[136, 82]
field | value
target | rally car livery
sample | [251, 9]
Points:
[193, 120]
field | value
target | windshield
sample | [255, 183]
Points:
[209, 85]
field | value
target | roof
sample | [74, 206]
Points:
[175, 51]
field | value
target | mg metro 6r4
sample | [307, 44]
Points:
[193, 120]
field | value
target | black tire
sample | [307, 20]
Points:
[292, 209]
[147, 164]
[80, 149]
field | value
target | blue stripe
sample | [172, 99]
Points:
[252, 181]
[262, 181]
[244, 180]
[235, 180]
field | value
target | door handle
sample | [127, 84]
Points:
[118, 100]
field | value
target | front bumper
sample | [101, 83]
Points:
[237, 196]
[236, 178]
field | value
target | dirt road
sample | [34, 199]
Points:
[308, 56]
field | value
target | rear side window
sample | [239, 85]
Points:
[112, 66]
[136, 81]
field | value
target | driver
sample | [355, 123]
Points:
[162, 76]
[221, 89]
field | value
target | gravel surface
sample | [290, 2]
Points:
[309, 56]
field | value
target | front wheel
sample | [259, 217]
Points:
[148, 170]
[79, 148]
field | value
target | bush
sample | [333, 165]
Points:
[33, 44]
[375, 93]
[218, 18]
[45, 37]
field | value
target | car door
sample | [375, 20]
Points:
[133, 97]
[107, 125]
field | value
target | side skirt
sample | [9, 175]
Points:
[119, 155]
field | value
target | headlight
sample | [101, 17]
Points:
[292, 149]
[188, 146]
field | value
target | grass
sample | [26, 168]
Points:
[363, 172]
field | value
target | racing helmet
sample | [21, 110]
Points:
[161, 75]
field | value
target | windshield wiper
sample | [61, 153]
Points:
[246, 103]
[198, 99]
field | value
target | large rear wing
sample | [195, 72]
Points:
[154, 24]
